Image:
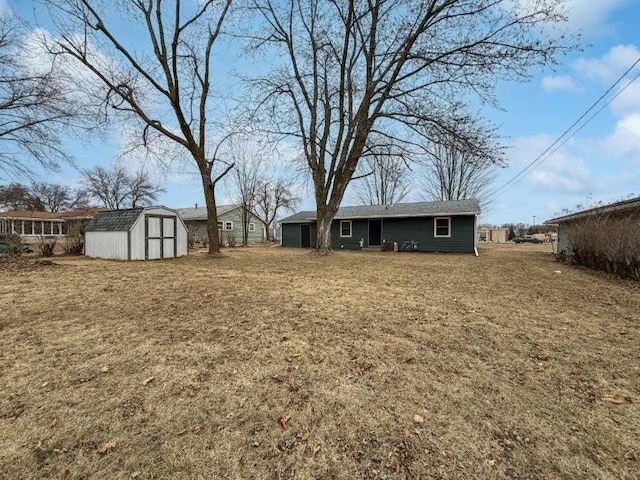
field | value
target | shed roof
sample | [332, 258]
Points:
[621, 206]
[414, 209]
[200, 213]
[114, 221]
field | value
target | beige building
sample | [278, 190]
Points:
[493, 235]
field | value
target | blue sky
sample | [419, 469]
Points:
[600, 163]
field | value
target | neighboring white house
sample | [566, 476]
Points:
[145, 233]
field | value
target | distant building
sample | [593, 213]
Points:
[493, 235]
[31, 223]
[229, 225]
[624, 209]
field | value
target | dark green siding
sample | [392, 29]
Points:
[291, 235]
[421, 230]
[399, 230]
[359, 230]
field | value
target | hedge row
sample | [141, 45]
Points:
[611, 244]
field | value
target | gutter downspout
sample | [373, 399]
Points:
[475, 234]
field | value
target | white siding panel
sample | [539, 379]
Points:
[137, 239]
[154, 249]
[183, 246]
[167, 245]
[154, 226]
[167, 226]
[111, 245]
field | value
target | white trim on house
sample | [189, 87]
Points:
[346, 222]
[435, 227]
[228, 223]
[252, 227]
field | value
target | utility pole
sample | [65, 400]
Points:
[534, 224]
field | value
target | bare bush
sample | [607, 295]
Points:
[74, 241]
[46, 246]
[607, 243]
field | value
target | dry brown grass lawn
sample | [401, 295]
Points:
[273, 363]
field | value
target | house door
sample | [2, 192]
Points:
[305, 236]
[160, 237]
[375, 233]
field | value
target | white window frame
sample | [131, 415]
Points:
[252, 227]
[220, 225]
[350, 228]
[228, 225]
[435, 227]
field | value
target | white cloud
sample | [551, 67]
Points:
[562, 172]
[625, 139]
[628, 102]
[591, 16]
[555, 83]
[610, 66]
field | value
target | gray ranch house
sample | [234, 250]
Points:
[229, 225]
[421, 226]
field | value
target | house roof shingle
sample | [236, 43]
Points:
[200, 213]
[629, 204]
[415, 209]
[114, 221]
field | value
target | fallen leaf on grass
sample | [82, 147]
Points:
[146, 381]
[418, 418]
[282, 421]
[406, 433]
[66, 474]
[617, 399]
[108, 447]
[105, 369]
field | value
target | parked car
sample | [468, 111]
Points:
[527, 239]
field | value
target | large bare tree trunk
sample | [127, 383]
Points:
[325, 215]
[212, 214]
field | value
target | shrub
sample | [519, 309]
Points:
[608, 243]
[46, 246]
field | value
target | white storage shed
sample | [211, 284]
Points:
[145, 233]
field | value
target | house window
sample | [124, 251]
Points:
[219, 225]
[442, 227]
[252, 227]
[228, 225]
[345, 228]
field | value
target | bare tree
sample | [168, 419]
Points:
[16, 196]
[394, 68]
[116, 188]
[42, 196]
[36, 106]
[158, 76]
[54, 198]
[452, 172]
[249, 160]
[273, 196]
[384, 179]
[142, 190]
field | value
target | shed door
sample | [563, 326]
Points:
[160, 237]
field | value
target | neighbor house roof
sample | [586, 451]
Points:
[200, 213]
[32, 214]
[114, 221]
[624, 205]
[78, 213]
[415, 209]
